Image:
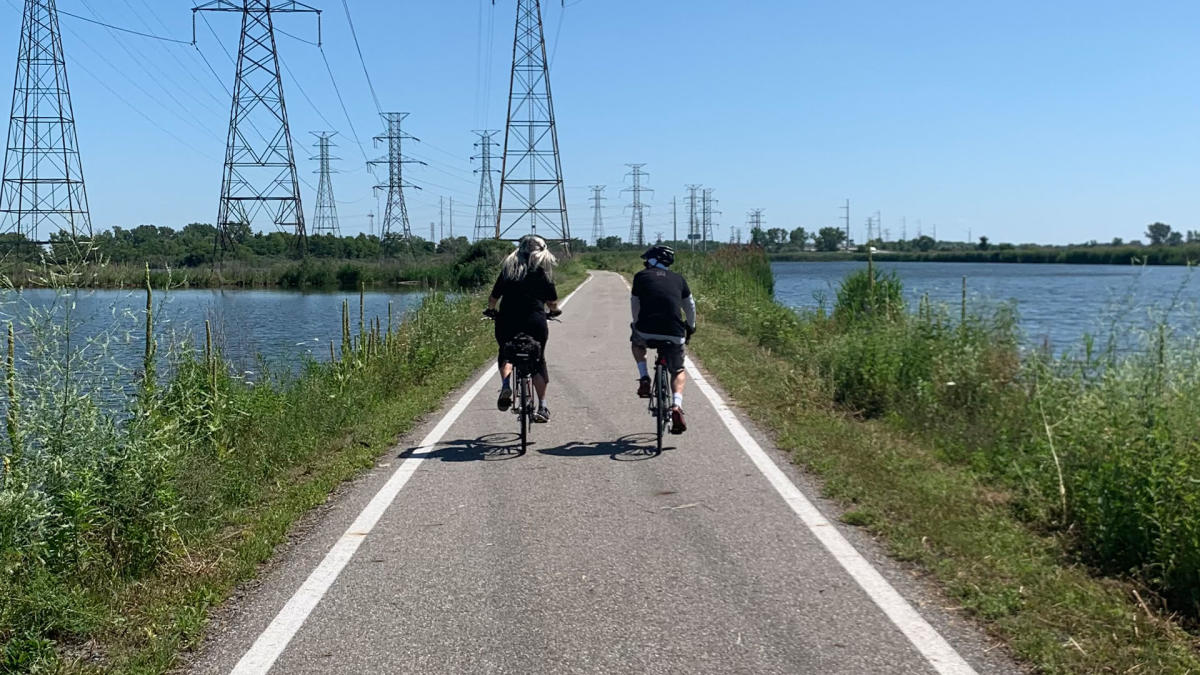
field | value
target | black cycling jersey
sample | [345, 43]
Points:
[524, 299]
[660, 294]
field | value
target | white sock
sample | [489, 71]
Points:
[677, 399]
[543, 404]
[643, 371]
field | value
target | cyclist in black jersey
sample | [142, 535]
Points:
[526, 296]
[663, 312]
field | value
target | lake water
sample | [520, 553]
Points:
[280, 327]
[1059, 303]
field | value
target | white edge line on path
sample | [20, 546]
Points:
[271, 643]
[923, 636]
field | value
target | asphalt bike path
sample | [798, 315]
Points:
[590, 553]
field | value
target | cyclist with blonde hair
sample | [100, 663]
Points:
[523, 297]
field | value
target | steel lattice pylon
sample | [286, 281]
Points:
[637, 225]
[325, 218]
[532, 197]
[693, 223]
[395, 218]
[485, 208]
[707, 218]
[42, 191]
[598, 212]
[260, 166]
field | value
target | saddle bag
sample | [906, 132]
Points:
[523, 352]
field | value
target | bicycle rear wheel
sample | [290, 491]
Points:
[662, 401]
[524, 414]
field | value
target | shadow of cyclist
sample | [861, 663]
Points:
[631, 448]
[489, 448]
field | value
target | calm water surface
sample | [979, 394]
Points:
[277, 328]
[1059, 303]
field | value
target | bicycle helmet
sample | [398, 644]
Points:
[664, 255]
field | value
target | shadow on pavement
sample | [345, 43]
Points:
[631, 448]
[489, 448]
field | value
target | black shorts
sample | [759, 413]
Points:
[672, 351]
[533, 326]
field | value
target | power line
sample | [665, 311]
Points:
[363, 61]
[297, 38]
[346, 111]
[303, 93]
[124, 30]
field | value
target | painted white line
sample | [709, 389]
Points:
[924, 637]
[270, 645]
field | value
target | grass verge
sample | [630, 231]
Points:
[1052, 614]
[838, 392]
[119, 534]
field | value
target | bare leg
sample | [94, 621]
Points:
[505, 370]
[639, 354]
[680, 380]
[539, 385]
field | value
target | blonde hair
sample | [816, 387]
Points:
[531, 254]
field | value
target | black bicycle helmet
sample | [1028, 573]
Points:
[665, 255]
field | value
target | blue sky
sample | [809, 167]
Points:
[1023, 121]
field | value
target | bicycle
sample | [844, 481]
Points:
[523, 363]
[525, 357]
[660, 392]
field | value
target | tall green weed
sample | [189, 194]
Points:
[1104, 452]
[109, 477]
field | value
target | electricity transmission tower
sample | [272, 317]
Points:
[756, 220]
[637, 226]
[42, 191]
[532, 196]
[485, 209]
[598, 217]
[395, 217]
[260, 166]
[847, 216]
[708, 212]
[325, 218]
[693, 223]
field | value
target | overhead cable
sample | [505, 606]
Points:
[124, 30]
[354, 34]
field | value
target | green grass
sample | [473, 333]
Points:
[119, 532]
[928, 426]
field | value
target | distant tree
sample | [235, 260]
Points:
[799, 237]
[238, 232]
[758, 237]
[830, 239]
[924, 243]
[454, 246]
[1175, 239]
[1117, 241]
[984, 244]
[1158, 233]
[777, 237]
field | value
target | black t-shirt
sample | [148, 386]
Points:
[661, 294]
[526, 298]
